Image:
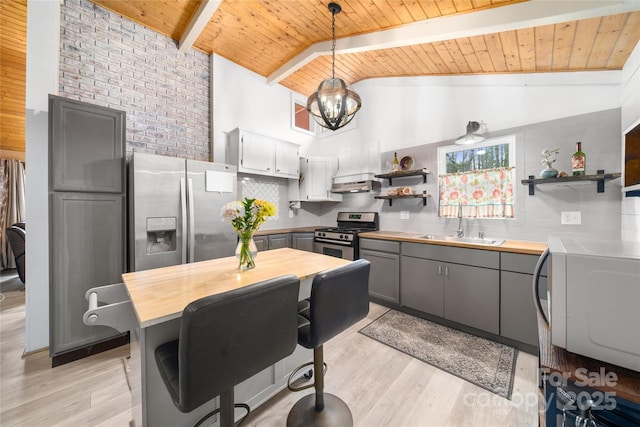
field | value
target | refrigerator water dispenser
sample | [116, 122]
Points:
[161, 235]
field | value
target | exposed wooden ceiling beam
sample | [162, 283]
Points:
[199, 20]
[521, 15]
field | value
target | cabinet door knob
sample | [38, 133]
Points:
[446, 271]
[439, 270]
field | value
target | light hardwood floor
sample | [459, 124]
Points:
[382, 386]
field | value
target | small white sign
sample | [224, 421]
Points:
[221, 182]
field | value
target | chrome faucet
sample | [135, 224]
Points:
[460, 230]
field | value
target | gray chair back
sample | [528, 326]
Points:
[339, 298]
[16, 236]
[227, 338]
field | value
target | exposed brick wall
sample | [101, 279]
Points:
[108, 60]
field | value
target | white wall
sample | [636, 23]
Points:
[404, 112]
[242, 99]
[43, 37]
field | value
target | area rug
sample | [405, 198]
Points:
[485, 363]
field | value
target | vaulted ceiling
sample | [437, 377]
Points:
[289, 41]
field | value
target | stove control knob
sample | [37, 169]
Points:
[341, 236]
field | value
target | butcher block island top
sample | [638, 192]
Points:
[514, 246]
[161, 294]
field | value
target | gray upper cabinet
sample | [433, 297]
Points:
[87, 147]
[384, 277]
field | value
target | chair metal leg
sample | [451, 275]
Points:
[227, 409]
[318, 366]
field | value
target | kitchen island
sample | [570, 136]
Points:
[158, 297]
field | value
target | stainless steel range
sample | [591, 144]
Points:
[342, 241]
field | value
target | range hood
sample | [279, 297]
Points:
[356, 170]
[356, 187]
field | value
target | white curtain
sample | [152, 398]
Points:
[12, 182]
[486, 193]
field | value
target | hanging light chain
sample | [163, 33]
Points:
[333, 44]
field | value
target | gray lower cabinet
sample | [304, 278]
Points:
[302, 241]
[384, 277]
[422, 285]
[277, 241]
[517, 310]
[471, 296]
[262, 243]
[272, 241]
[462, 285]
[87, 251]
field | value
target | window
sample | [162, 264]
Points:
[477, 179]
[301, 120]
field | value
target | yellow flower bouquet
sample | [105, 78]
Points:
[245, 217]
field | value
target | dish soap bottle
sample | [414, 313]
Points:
[578, 161]
[396, 163]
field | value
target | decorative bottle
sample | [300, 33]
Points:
[578, 161]
[396, 163]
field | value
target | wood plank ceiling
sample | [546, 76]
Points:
[264, 36]
[13, 65]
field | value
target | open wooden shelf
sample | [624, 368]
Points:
[422, 196]
[403, 174]
[600, 177]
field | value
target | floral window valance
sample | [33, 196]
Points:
[484, 193]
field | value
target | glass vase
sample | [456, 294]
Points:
[246, 251]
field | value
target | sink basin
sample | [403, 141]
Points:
[474, 240]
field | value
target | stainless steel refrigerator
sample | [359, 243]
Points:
[174, 211]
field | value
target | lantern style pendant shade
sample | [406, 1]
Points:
[334, 104]
[471, 137]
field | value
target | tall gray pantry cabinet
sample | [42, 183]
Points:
[87, 229]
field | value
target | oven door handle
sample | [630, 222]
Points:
[333, 242]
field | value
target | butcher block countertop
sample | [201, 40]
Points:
[310, 229]
[514, 246]
[161, 294]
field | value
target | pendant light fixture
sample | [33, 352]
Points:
[333, 105]
[471, 137]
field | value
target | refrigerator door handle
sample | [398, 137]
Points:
[183, 219]
[192, 228]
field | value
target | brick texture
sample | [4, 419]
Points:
[108, 60]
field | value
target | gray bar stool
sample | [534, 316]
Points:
[339, 298]
[225, 339]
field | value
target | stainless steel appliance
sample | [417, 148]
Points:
[174, 209]
[594, 295]
[342, 241]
